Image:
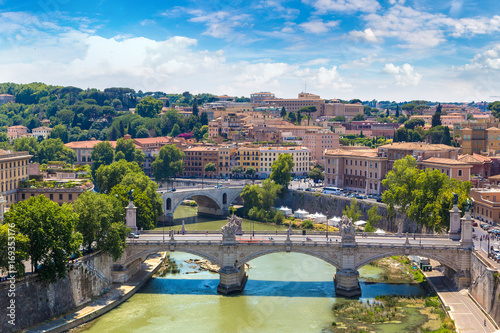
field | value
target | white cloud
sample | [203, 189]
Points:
[317, 26]
[367, 35]
[361, 63]
[323, 78]
[324, 6]
[419, 29]
[318, 61]
[277, 8]
[488, 60]
[404, 75]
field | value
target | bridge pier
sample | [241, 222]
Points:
[347, 283]
[232, 280]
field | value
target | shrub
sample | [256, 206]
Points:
[307, 224]
[279, 218]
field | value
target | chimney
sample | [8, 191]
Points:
[127, 136]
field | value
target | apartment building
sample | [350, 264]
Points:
[360, 170]
[294, 104]
[18, 131]
[452, 168]
[197, 157]
[13, 169]
[421, 151]
[336, 108]
[318, 141]
[449, 119]
[301, 157]
[42, 131]
[227, 160]
[260, 97]
[486, 205]
[248, 157]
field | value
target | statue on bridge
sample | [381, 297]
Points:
[232, 228]
[347, 229]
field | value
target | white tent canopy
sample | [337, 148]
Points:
[285, 210]
[380, 232]
[300, 213]
[360, 222]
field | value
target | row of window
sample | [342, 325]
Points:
[19, 163]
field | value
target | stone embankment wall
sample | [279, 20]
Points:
[36, 302]
[484, 288]
[332, 205]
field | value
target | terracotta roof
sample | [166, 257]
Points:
[417, 146]
[493, 129]
[41, 128]
[354, 153]
[18, 126]
[445, 161]
[159, 139]
[82, 144]
[495, 177]
[474, 158]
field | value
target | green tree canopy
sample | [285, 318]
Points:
[55, 150]
[149, 107]
[18, 255]
[108, 176]
[414, 122]
[169, 163]
[59, 132]
[127, 147]
[102, 154]
[373, 219]
[358, 117]
[101, 222]
[352, 211]
[316, 174]
[29, 144]
[50, 230]
[281, 170]
[146, 217]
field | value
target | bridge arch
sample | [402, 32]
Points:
[442, 260]
[201, 198]
[145, 253]
[332, 261]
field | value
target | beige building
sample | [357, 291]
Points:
[318, 141]
[335, 108]
[419, 150]
[486, 204]
[294, 104]
[13, 170]
[227, 160]
[6, 98]
[301, 157]
[259, 98]
[360, 170]
[43, 131]
[452, 168]
[18, 131]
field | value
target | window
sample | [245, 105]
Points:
[60, 196]
[70, 196]
[459, 173]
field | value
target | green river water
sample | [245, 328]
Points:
[285, 292]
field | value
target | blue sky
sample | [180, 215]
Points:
[369, 49]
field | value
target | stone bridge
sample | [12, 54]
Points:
[345, 250]
[211, 201]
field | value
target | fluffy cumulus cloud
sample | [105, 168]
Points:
[323, 6]
[486, 61]
[404, 75]
[219, 24]
[367, 35]
[324, 79]
[317, 26]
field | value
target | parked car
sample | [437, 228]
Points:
[308, 189]
[474, 224]
[132, 235]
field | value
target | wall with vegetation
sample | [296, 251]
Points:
[484, 288]
[37, 302]
[333, 205]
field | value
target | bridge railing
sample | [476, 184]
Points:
[247, 242]
[296, 232]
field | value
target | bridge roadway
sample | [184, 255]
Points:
[347, 252]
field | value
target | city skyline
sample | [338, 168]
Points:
[385, 50]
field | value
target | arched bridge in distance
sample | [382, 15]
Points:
[345, 250]
[211, 201]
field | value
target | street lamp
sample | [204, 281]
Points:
[327, 229]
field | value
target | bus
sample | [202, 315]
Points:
[332, 190]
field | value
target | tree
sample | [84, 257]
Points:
[281, 170]
[268, 193]
[308, 110]
[59, 132]
[29, 144]
[397, 111]
[341, 119]
[13, 262]
[204, 118]
[149, 107]
[146, 217]
[250, 172]
[355, 101]
[387, 112]
[237, 170]
[373, 219]
[250, 196]
[127, 147]
[113, 134]
[209, 167]
[120, 156]
[50, 230]
[283, 112]
[176, 130]
[169, 163]
[195, 107]
[408, 107]
[414, 122]
[108, 176]
[446, 140]
[436, 118]
[122, 128]
[400, 182]
[142, 133]
[358, 117]
[316, 174]
[55, 150]
[102, 154]
[139, 157]
[353, 211]
[100, 221]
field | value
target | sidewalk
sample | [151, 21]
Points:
[463, 310]
[118, 294]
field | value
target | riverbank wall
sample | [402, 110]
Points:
[332, 205]
[36, 301]
[485, 286]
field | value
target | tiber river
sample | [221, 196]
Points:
[285, 292]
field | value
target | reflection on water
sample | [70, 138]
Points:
[285, 292]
